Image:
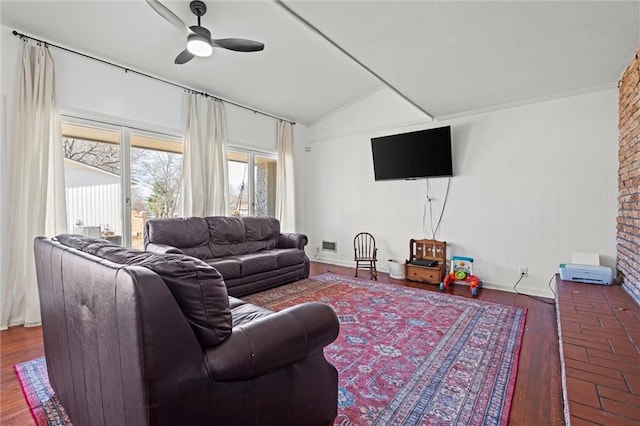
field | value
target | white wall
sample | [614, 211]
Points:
[532, 185]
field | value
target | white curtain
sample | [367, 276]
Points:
[285, 194]
[35, 192]
[205, 189]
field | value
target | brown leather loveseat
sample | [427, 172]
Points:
[136, 338]
[250, 252]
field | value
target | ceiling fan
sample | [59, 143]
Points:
[199, 41]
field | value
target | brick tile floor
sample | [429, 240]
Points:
[599, 330]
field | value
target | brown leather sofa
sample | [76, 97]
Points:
[250, 252]
[136, 338]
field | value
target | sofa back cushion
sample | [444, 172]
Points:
[262, 228]
[215, 236]
[198, 288]
[191, 235]
[80, 242]
[232, 236]
[227, 236]
[262, 233]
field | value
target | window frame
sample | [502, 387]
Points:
[252, 153]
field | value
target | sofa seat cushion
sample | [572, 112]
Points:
[198, 289]
[227, 266]
[234, 302]
[255, 263]
[289, 257]
[246, 312]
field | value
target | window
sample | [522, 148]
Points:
[117, 177]
[156, 171]
[252, 183]
[92, 169]
[264, 183]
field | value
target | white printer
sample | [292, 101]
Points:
[585, 268]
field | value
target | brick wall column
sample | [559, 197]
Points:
[628, 233]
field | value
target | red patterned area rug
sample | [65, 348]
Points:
[404, 356]
[44, 405]
[407, 356]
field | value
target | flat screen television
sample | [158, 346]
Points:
[414, 155]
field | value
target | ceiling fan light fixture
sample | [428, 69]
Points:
[199, 45]
[199, 41]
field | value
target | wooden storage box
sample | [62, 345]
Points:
[427, 261]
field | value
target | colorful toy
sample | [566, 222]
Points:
[462, 270]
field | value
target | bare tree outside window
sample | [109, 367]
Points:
[156, 179]
[156, 175]
[104, 156]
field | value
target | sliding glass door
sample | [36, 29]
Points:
[117, 178]
[93, 180]
[156, 169]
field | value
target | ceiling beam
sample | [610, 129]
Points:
[349, 55]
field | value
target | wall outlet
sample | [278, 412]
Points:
[524, 271]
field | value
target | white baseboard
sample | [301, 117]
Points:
[507, 287]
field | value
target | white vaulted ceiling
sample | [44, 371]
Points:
[453, 57]
[298, 75]
[447, 57]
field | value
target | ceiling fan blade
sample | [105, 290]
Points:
[183, 57]
[168, 15]
[238, 44]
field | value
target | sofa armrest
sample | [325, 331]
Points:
[272, 342]
[162, 248]
[292, 240]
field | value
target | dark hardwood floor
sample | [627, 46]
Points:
[17, 344]
[538, 394]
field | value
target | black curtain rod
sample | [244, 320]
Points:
[127, 70]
